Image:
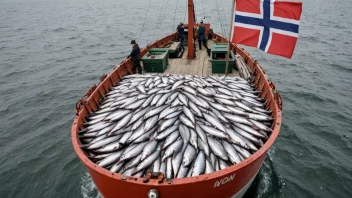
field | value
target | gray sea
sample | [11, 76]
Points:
[52, 51]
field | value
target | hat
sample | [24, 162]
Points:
[181, 23]
[133, 42]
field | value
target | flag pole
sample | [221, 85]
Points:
[229, 38]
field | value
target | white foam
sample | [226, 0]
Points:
[88, 188]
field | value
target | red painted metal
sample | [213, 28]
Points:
[115, 185]
[190, 29]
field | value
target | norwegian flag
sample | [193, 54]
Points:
[269, 25]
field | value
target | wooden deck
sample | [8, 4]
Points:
[200, 66]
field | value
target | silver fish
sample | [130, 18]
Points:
[237, 119]
[193, 139]
[133, 162]
[167, 123]
[195, 108]
[172, 115]
[110, 159]
[231, 152]
[189, 114]
[215, 122]
[116, 167]
[172, 98]
[166, 132]
[201, 134]
[183, 99]
[213, 131]
[212, 159]
[189, 155]
[163, 167]
[150, 123]
[163, 99]
[141, 89]
[189, 90]
[182, 172]
[170, 139]
[185, 134]
[208, 167]
[176, 102]
[236, 139]
[103, 142]
[260, 126]
[176, 162]
[125, 137]
[217, 149]
[149, 149]
[173, 148]
[156, 99]
[121, 123]
[148, 161]
[177, 84]
[155, 111]
[242, 151]
[204, 147]
[156, 165]
[186, 121]
[199, 164]
[133, 152]
[148, 101]
[223, 164]
[250, 130]
[169, 171]
[138, 115]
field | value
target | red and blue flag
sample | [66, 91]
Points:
[269, 25]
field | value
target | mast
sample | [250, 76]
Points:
[190, 29]
[229, 39]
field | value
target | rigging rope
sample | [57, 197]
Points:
[157, 24]
[220, 18]
[161, 20]
[203, 7]
[225, 17]
[173, 24]
[186, 11]
[145, 19]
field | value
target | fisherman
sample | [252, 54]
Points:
[181, 35]
[136, 59]
[201, 37]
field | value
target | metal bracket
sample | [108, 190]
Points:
[154, 175]
[81, 103]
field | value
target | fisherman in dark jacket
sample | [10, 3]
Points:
[135, 56]
[201, 36]
[181, 35]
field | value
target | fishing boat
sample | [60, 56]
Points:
[230, 182]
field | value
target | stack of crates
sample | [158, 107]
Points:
[218, 59]
[156, 60]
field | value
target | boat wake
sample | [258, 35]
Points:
[88, 188]
[267, 183]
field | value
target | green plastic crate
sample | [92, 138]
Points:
[157, 64]
[218, 59]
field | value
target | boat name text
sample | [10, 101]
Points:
[224, 180]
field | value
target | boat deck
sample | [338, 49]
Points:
[200, 66]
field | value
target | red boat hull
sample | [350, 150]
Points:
[230, 182]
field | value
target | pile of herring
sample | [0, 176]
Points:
[180, 125]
